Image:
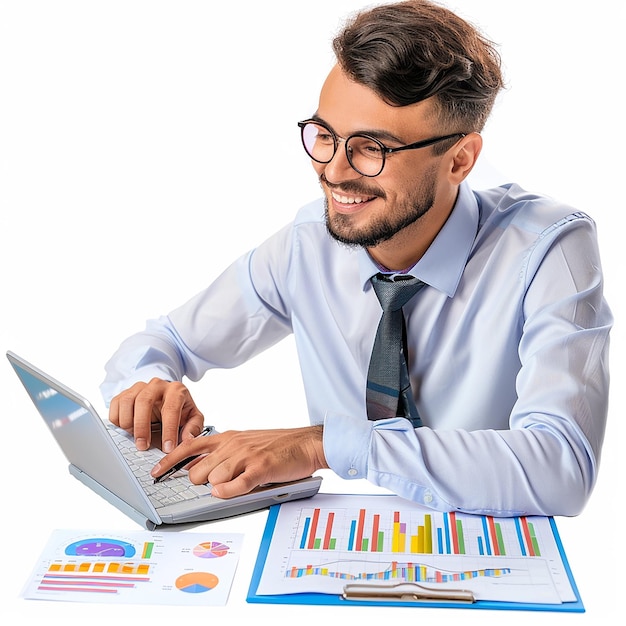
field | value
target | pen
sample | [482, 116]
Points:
[207, 430]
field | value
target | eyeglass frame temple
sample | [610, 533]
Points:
[420, 144]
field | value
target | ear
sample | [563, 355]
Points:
[465, 156]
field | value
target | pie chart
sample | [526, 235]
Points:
[196, 582]
[210, 550]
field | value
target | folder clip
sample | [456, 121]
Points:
[405, 592]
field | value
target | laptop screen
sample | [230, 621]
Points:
[82, 436]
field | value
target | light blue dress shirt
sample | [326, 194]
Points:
[508, 348]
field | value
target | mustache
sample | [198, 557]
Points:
[352, 186]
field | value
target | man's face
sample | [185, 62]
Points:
[366, 211]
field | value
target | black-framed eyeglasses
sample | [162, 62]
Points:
[365, 153]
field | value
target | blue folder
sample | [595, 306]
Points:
[338, 600]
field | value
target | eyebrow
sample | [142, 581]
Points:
[375, 133]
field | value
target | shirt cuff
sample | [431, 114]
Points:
[347, 444]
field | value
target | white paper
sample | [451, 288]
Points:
[137, 567]
[334, 540]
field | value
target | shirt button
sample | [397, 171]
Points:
[352, 472]
[428, 498]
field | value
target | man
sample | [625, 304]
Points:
[505, 328]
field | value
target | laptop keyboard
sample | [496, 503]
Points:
[177, 488]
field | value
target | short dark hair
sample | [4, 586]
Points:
[409, 51]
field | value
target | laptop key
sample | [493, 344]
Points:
[201, 490]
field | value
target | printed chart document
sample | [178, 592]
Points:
[313, 551]
[136, 567]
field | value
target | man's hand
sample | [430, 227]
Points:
[170, 403]
[235, 462]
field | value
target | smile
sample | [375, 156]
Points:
[349, 199]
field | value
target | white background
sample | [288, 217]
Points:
[134, 166]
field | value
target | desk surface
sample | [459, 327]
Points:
[65, 503]
[594, 541]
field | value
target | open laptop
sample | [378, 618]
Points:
[104, 458]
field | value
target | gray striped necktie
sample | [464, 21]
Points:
[388, 386]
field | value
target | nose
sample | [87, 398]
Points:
[338, 169]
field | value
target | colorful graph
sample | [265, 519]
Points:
[136, 567]
[383, 542]
[101, 547]
[410, 572]
[108, 570]
[429, 533]
[196, 582]
[100, 567]
[210, 550]
[148, 547]
[93, 576]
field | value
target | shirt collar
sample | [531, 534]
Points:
[443, 263]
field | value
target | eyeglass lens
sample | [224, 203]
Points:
[365, 154]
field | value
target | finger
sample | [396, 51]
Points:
[122, 409]
[179, 414]
[229, 477]
[188, 448]
[240, 485]
[173, 401]
[143, 411]
[192, 427]
[114, 415]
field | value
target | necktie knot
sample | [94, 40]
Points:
[392, 293]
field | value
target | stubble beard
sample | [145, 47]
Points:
[382, 228]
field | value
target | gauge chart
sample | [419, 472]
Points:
[95, 547]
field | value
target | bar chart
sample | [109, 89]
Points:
[334, 540]
[397, 571]
[429, 533]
